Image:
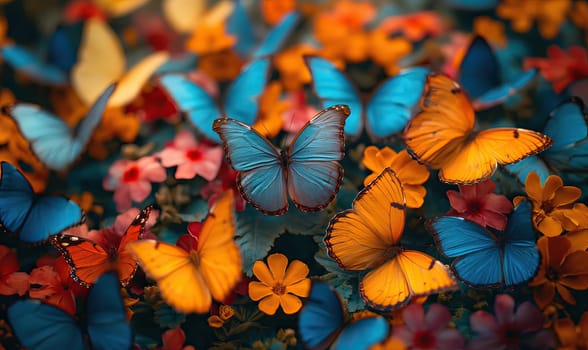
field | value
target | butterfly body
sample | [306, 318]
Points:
[308, 171]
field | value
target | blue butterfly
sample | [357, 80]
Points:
[51, 139]
[487, 258]
[567, 126]
[321, 322]
[34, 217]
[28, 63]
[388, 110]
[40, 326]
[309, 170]
[240, 98]
[479, 75]
[472, 5]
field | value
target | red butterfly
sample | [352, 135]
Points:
[89, 260]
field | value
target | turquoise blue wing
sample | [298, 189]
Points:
[472, 5]
[500, 93]
[242, 97]
[334, 88]
[190, 98]
[277, 36]
[362, 334]
[531, 164]
[261, 178]
[314, 172]
[51, 139]
[392, 104]
[28, 63]
[240, 26]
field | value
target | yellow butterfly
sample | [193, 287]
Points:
[116, 8]
[367, 237]
[185, 15]
[188, 280]
[101, 61]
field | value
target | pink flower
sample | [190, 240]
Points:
[11, 281]
[428, 331]
[173, 339]
[131, 180]
[227, 179]
[299, 112]
[191, 157]
[561, 68]
[453, 51]
[479, 204]
[509, 329]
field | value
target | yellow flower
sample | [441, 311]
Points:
[412, 175]
[551, 203]
[293, 71]
[492, 30]
[522, 13]
[279, 286]
[269, 122]
[387, 51]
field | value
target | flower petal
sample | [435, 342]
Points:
[552, 184]
[527, 318]
[258, 290]
[300, 288]
[263, 274]
[504, 309]
[277, 264]
[437, 317]
[269, 305]
[414, 317]
[297, 271]
[290, 303]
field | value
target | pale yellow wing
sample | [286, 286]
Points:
[183, 15]
[116, 8]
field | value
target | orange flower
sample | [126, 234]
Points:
[50, 288]
[269, 123]
[273, 11]
[387, 51]
[412, 175]
[551, 204]
[414, 26]
[279, 286]
[562, 267]
[522, 13]
[221, 66]
[215, 321]
[579, 14]
[571, 336]
[492, 30]
[210, 37]
[3, 30]
[115, 123]
[354, 15]
[390, 344]
[293, 71]
[86, 201]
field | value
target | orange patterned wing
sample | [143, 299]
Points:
[87, 260]
[126, 262]
[410, 274]
[220, 257]
[361, 237]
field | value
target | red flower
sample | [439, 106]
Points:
[479, 204]
[173, 339]
[561, 68]
[48, 286]
[11, 281]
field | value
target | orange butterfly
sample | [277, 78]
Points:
[442, 136]
[367, 237]
[188, 280]
[89, 260]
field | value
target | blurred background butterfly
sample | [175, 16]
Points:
[240, 99]
[51, 139]
[480, 76]
[442, 136]
[390, 105]
[32, 65]
[33, 217]
[367, 237]
[322, 323]
[308, 171]
[489, 258]
[104, 326]
[209, 267]
[88, 259]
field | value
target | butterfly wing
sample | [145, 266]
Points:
[277, 37]
[16, 198]
[239, 25]
[241, 100]
[220, 258]
[40, 326]
[52, 140]
[107, 324]
[524, 167]
[183, 15]
[180, 283]
[472, 5]
[334, 88]
[479, 260]
[479, 70]
[391, 105]
[521, 257]
[126, 263]
[500, 93]
[261, 178]
[321, 318]
[88, 260]
[314, 173]
[362, 334]
[28, 63]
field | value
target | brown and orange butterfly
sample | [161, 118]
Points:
[189, 279]
[442, 136]
[89, 260]
[367, 237]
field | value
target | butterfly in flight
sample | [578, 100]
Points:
[309, 170]
[41, 326]
[489, 258]
[89, 260]
[34, 217]
[210, 268]
[52, 140]
[387, 111]
[367, 237]
[321, 323]
[442, 136]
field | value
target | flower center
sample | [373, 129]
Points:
[279, 289]
[423, 339]
[547, 207]
[131, 174]
[552, 274]
[474, 207]
[193, 154]
[512, 339]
